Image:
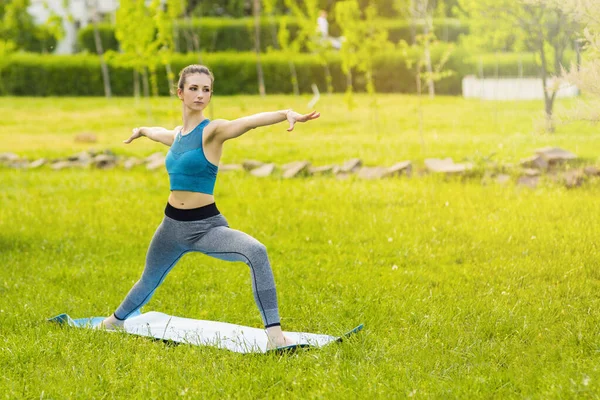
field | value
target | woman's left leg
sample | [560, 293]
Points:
[229, 244]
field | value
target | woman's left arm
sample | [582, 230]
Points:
[225, 130]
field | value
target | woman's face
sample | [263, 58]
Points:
[197, 91]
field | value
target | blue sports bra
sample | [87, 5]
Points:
[187, 165]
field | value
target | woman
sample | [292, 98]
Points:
[192, 221]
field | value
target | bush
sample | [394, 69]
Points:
[235, 73]
[220, 34]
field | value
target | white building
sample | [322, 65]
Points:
[77, 15]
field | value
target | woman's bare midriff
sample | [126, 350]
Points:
[187, 200]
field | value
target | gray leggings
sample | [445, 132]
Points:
[211, 236]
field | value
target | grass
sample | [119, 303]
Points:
[465, 290]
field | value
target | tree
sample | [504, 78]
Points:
[92, 5]
[165, 37]
[306, 12]
[536, 24]
[586, 75]
[364, 41]
[261, 79]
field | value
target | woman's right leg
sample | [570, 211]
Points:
[163, 253]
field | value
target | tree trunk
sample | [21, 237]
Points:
[413, 20]
[259, 70]
[427, 28]
[294, 78]
[100, 51]
[548, 98]
[170, 76]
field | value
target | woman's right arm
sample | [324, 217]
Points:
[158, 134]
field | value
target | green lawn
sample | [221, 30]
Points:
[465, 290]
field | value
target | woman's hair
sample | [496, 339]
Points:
[194, 69]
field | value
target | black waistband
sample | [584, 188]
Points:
[193, 214]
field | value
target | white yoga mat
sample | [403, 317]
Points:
[238, 338]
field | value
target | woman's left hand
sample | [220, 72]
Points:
[294, 117]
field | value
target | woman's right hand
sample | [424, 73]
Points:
[136, 133]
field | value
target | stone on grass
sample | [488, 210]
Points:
[554, 155]
[86, 137]
[154, 156]
[249, 165]
[531, 172]
[294, 169]
[65, 164]
[403, 167]
[83, 158]
[536, 161]
[529, 181]
[37, 163]
[502, 178]
[324, 169]
[8, 157]
[351, 165]
[155, 164]
[574, 178]
[264, 170]
[230, 167]
[445, 165]
[371, 172]
[132, 162]
[104, 161]
[591, 171]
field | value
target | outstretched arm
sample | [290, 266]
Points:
[226, 130]
[158, 134]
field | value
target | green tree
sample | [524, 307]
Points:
[539, 25]
[364, 41]
[135, 30]
[586, 74]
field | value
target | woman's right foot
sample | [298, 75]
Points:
[111, 323]
[275, 338]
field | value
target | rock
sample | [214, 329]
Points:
[325, 169]
[530, 181]
[591, 171]
[554, 155]
[8, 157]
[445, 165]
[351, 165]
[86, 137]
[155, 164]
[249, 165]
[536, 161]
[154, 157]
[296, 168]
[65, 164]
[104, 161]
[18, 164]
[132, 162]
[502, 178]
[531, 172]
[230, 167]
[403, 167]
[574, 178]
[82, 158]
[264, 170]
[37, 163]
[343, 175]
[371, 172]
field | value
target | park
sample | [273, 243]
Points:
[460, 231]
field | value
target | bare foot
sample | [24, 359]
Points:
[111, 324]
[282, 341]
[275, 338]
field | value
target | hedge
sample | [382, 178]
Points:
[235, 73]
[220, 34]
